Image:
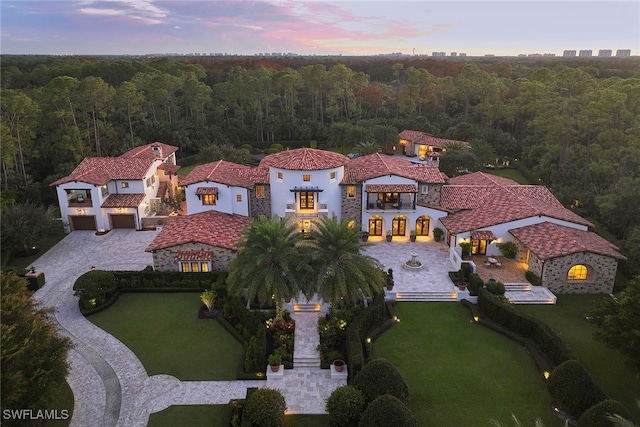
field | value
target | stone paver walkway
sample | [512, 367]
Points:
[109, 383]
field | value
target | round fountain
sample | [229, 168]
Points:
[413, 264]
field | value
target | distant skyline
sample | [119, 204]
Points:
[359, 27]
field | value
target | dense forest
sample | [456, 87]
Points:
[572, 123]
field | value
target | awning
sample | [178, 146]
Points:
[482, 235]
[206, 190]
[390, 188]
[194, 256]
[306, 190]
[123, 201]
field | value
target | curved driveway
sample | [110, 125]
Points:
[110, 385]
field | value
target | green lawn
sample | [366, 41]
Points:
[43, 245]
[164, 331]
[460, 373]
[192, 415]
[609, 368]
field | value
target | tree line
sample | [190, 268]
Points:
[575, 124]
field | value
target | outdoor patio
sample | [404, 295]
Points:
[509, 271]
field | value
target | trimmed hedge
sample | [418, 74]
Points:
[571, 386]
[264, 407]
[532, 278]
[387, 411]
[345, 405]
[550, 343]
[598, 415]
[380, 377]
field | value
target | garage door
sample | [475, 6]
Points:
[82, 222]
[123, 221]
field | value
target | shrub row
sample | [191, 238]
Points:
[170, 279]
[598, 415]
[532, 278]
[372, 320]
[571, 386]
[550, 343]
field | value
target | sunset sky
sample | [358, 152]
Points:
[358, 27]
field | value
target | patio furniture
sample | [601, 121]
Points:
[380, 204]
[80, 198]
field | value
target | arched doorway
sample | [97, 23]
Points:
[399, 226]
[422, 225]
[375, 226]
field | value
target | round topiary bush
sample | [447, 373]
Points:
[496, 288]
[345, 405]
[265, 408]
[573, 388]
[508, 249]
[598, 415]
[387, 411]
[94, 286]
[380, 377]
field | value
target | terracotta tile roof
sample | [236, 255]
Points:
[222, 172]
[305, 159]
[390, 188]
[101, 170]
[172, 169]
[482, 235]
[484, 200]
[145, 151]
[548, 240]
[377, 165]
[123, 201]
[210, 228]
[206, 190]
[481, 178]
[258, 175]
[424, 138]
[194, 256]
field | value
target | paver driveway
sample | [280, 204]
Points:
[110, 385]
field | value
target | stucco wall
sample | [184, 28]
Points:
[165, 259]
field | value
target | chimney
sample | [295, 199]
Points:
[157, 151]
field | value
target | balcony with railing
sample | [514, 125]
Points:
[381, 197]
[318, 210]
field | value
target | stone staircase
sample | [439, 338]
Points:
[522, 287]
[524, 293]
[427, 295]
[305, 353]
[306, 362]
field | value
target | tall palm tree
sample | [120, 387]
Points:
[340, 270]
[268, 264]
[365, 148]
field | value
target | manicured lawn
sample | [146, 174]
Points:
[513, 174]
[460, 373]
[192, 415]
[609, 368]
[44, 245]
[164, 331]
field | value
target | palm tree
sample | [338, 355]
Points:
[365, 148]
[268, 264]
[340, 271]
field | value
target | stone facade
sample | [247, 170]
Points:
[433, 195]
[600, 278]
[351, 206]
[260, 206]
[165, 259]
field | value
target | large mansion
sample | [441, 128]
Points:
[381, 194]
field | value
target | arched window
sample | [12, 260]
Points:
[578, 272]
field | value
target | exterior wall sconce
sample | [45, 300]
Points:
[80, 211]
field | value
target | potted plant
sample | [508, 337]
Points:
[437, 234]
[365, 236]
[390, 281]
[274, 362]
[338, 364]
[412, 235]
[466, 249]
[389, 235]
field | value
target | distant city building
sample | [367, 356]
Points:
[454, 53]
[489, 54]
[438, 54]
[535, 54]
[585, 52]
[547, 55]
[569, 53]
[462, 54]
[623, 52]
[604, 52]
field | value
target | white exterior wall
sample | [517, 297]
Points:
[501, 231]
[281, 193]
[226, 201]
